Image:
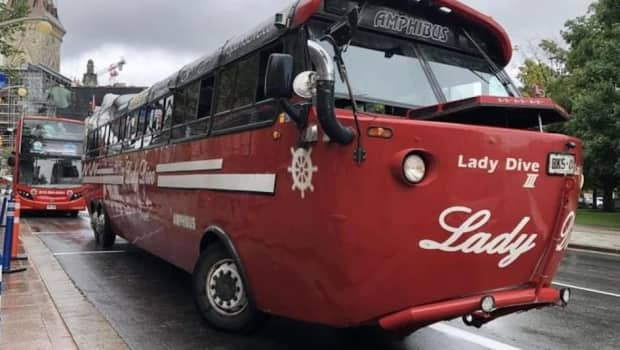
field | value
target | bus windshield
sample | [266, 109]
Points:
[50, 153]
[389, 71]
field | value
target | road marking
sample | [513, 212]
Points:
[592, 252]
[587, 289]
[470, 337]
[94, 252]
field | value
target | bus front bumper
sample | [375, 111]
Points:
[505, 303]
[29, 205]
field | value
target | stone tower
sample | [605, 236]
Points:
[90, 77]
[36, 47]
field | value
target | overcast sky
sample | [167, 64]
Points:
[159, 38]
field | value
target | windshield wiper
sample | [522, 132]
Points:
[480, 76]
[500, 73]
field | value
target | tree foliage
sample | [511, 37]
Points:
[585, 79]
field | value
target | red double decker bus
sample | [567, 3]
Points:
[347, 163]
[47, 164]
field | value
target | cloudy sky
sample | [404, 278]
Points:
[158, 38]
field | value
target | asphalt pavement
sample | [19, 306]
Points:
[148, 303]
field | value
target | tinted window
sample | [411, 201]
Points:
[225, 88]
[206, 97]
[186, 106]
[246, 82]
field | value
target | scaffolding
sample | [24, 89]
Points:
[37, 80]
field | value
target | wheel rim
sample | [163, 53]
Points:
[100, 224]
[224, 288]
[93, 221]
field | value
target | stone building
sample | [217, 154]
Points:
[39, 48]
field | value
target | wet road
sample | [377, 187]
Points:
[148, 302]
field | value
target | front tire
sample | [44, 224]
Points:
[220, 292]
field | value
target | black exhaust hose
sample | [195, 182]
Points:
[326, 111]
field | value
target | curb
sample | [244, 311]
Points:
[594, 248]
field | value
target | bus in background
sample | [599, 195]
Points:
[346, 163]
[47, 165]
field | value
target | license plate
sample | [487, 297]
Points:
[561, 164]
[51, 207]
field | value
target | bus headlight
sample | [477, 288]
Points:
[487, 304]
[414, 168]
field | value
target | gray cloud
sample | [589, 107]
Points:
[181, 25]
[185, 29]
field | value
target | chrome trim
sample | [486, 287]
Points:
[322, 60]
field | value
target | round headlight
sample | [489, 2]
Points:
[487, 303]
[414, 168]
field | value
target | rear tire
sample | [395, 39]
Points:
[220, 292]
[94, 224]
[106, 236]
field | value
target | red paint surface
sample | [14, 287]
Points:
[350, 249]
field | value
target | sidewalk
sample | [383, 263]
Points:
[597, 238]
[28, 318]
[42, 308]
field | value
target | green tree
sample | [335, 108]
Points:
[585, 79]
[593, 82]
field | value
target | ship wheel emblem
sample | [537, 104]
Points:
[302, 170]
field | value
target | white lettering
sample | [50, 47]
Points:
[518, 164]
[566, 231]
[486, 163]
[512, 245]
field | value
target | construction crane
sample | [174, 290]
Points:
[113, 70]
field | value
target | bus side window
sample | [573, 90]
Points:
[185, 111]
[226, 88]
[163, 121]
[245, 82]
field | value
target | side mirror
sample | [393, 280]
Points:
[279, 76]
[11, 161]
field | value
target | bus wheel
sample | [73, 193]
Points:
[220, 292]
[95, 225]
[104, 230]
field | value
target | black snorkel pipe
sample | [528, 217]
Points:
[325, 95]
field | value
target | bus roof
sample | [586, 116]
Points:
[298, 13]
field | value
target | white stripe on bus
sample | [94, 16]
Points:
[212, 164]
[105, 180]
[260, 183]
[105, 171]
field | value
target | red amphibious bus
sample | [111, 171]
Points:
[346, 163]
[47, 164]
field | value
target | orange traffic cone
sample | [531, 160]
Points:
[15, 246]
